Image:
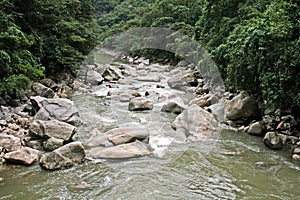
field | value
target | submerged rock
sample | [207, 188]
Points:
[128, 150]
[64, 157]
[197, 124]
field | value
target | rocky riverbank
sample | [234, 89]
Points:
[43, 129]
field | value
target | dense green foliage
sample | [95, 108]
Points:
[256, 44]
[42, 37]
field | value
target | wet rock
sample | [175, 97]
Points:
[64, 157]
[24, 156]
[196, 123]
[9, 142]
[42, 90]
[242, 107]
[53, 128]
[140, 104]
[53, 143]
[81, 186]
[257, 129]
[173, 105]
[232, 153]
[127, 134]
[182, 80]
[128, 150]
[273, 141]
[58, 108]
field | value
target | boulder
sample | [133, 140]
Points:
[9, 142]
[128, 150]
[241, 108]
[257, 129]
[94, 78]
[42, 90]
[140, 104]
[173, 105]
[217, 110]
[59, 108]
[197, 124]
[112, 73]
[204, 101]
[53, 143]
[25, 156]
[64, 157]
[53, 128]
[273, 140]
[182, 80]
[127, 134]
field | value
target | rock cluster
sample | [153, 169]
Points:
[41, 130]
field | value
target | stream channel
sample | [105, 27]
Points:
[176, 169]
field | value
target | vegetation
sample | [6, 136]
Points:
[39, 38]
[254, 43]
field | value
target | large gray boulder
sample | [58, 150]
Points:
[58, 108]
[128, 150]
[25, 156]
[9, 142]
[197, 124]
[53, 128]
[64, 157]
[241, 108]
[140, 104]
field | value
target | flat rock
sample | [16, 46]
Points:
[25, 156]
[127, 134]
[129, 150]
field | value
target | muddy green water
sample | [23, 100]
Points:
[176, 170]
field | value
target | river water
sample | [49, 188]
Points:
[176, 170]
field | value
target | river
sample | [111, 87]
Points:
[176, 170]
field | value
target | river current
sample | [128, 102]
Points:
[176, 170]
